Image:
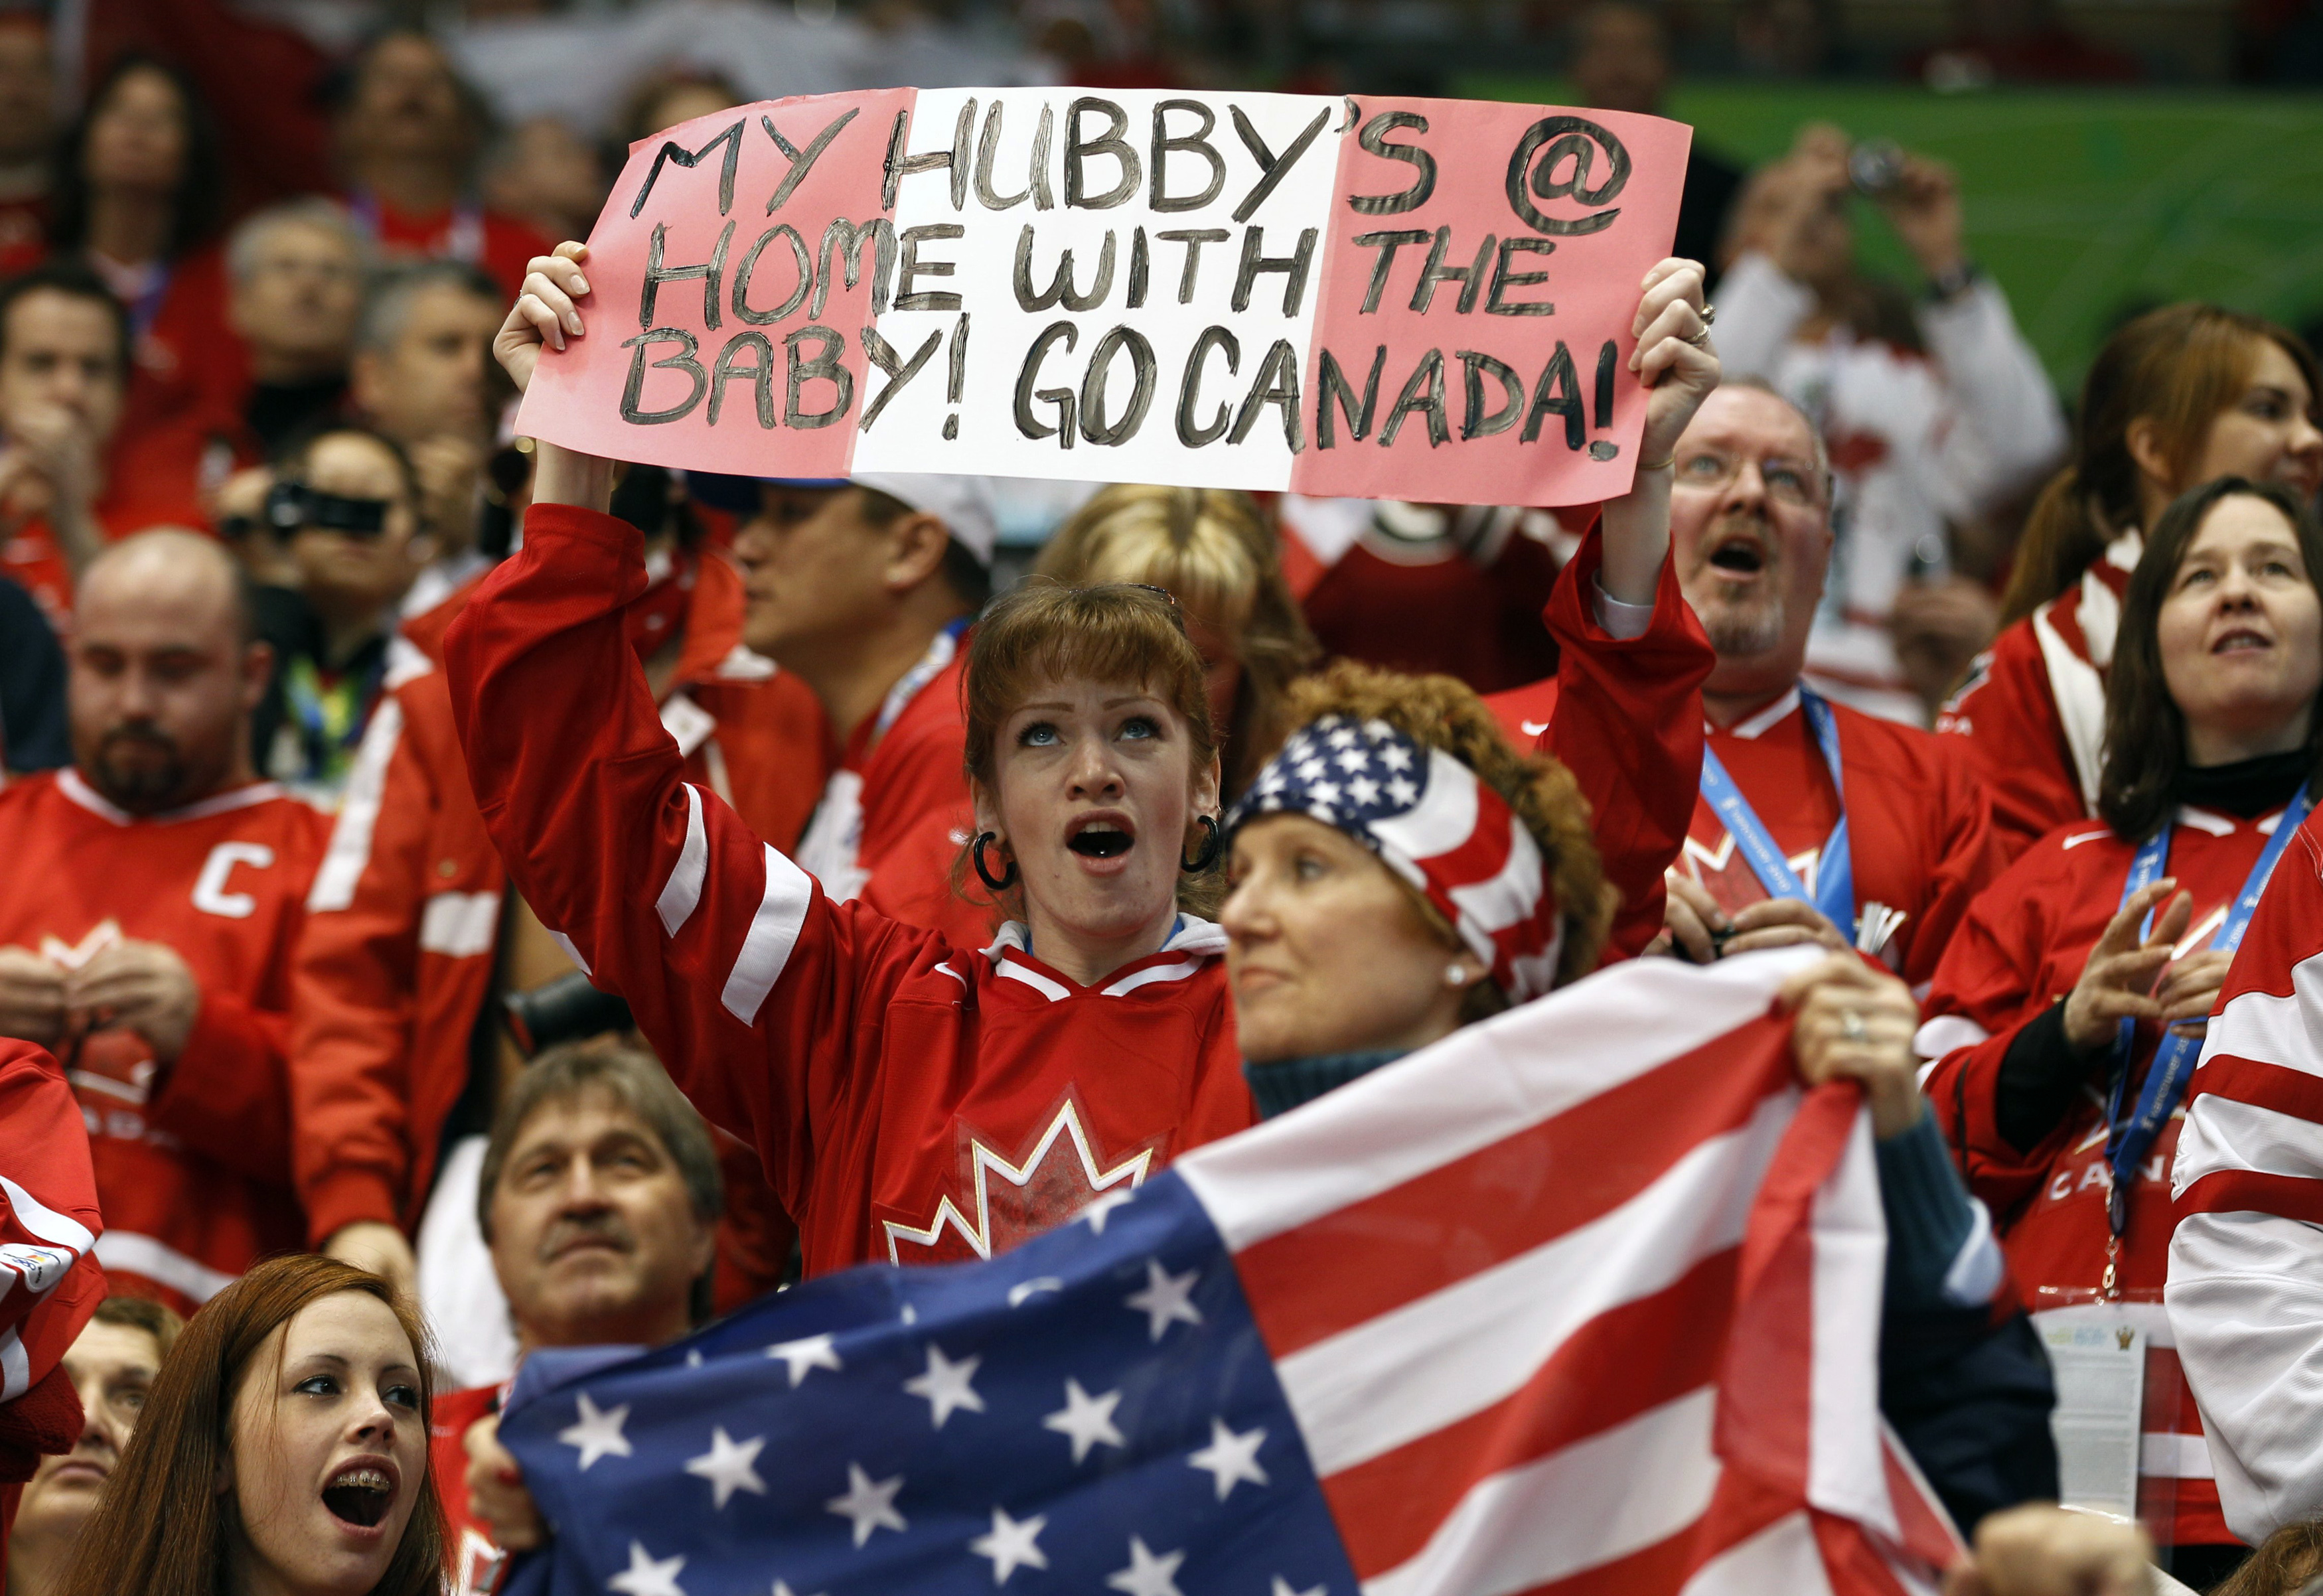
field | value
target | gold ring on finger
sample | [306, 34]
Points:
[1708, 314]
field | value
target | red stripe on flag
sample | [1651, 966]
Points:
[1853, 1565]
[1766, 1397]
[1926, 1528]
[1520, 1193]
[1620, 1364]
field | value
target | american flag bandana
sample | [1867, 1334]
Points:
[1433, 823]
[1581, 1301]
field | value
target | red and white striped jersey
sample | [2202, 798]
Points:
[2245, 1292]
[911, 1100]
[2020, 952]
[2033, 708]
[193, 1160]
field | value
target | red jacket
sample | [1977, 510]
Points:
[910, 1100]
[2033, 708]
[1920, 834]
[192, 1159]
[1625, 716]
[2019, 952]
[399, 954]
[48, 1229]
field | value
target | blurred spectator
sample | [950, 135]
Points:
[424, 375]
[408, 133]
[1215, 551]
[1933, 412]
[1620, 62]
[139, 190]
[668, 97]
[348, 502]
[150, 949]
[27, 110]
[1417, 588]
[31, 687]
[598, 1194]
[66, 485]
[2017, 42]
[299, 271]
[547, 176]
[111, 1363]
[1786, 38]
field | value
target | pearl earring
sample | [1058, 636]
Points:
[1456, 975]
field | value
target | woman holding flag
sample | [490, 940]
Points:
[2063, 1114]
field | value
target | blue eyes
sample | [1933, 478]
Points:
[1043, 734]
[1038, 735]
[1140, 726]
[327, 1385]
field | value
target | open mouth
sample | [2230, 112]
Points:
[359, 1495]
[1100, 838]
[2242, 641]
[1742, 556]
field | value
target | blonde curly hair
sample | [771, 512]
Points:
[1445, 712]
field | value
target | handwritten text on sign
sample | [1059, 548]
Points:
[1425, 299]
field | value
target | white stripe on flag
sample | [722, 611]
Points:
[1780, 1560]
[1408, 1372]
[1846, 1471]
[1516, 1070]
[1513, 894]
[773, 932]
[682, 890]
[1617, 1493]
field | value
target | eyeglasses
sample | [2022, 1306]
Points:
[1788, 481]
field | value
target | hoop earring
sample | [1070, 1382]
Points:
[975, 857]
[1213, 839]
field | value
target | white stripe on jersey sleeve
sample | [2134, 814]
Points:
[1945, 1033]
[2285, 1030]
[36, 1216]
[682, 891]
[2227, 1133]
[773, 932]
[350, 850]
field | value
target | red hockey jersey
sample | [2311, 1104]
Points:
[193, 1160]
[911, 1100]
[1919, 829]
[895, 812]
[2019, 952]
[50, 1283]
[1624, 715]
[475, 1557]
[2033, 708]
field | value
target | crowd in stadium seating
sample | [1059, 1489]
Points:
[466, 881]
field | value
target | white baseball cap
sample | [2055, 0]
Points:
[965, 505]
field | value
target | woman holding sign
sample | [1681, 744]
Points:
[2063, 1114]
[913, 1101]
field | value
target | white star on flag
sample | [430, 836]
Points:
[597, 1434]
[1403, 791]
[1023, 1291]
[645, 1576]
[813, 1352]
[1282, 1588]
[1103, 1205]
[1394, 757]
[1012, 1545]
[946, 1385]
[1325, 791]
[870, 1504]
[729, 1466]
[1088, 1419]
[1147, 1575]
[1311, 768]
[783, 1590]
[1354, 760]
[1231, 1458]
[1343, 737]
[1166, 1297]
[1364, 790]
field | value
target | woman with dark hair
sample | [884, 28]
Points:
[283, 1447]
[2179, 397]
[2063, 1114]
[141, 191]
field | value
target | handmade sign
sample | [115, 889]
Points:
[1424, 299]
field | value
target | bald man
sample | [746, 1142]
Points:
[151, 893]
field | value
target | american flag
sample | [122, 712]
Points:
[1584, 1298]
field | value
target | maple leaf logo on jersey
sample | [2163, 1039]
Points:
[106, 933]
[1010, 1200]
[1726, 875]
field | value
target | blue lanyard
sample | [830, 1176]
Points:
[1834, 893]
[2127, 1141]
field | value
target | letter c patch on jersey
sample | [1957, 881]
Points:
[210, 896]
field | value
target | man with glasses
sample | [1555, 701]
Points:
[1815, 822]
[298, 272]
